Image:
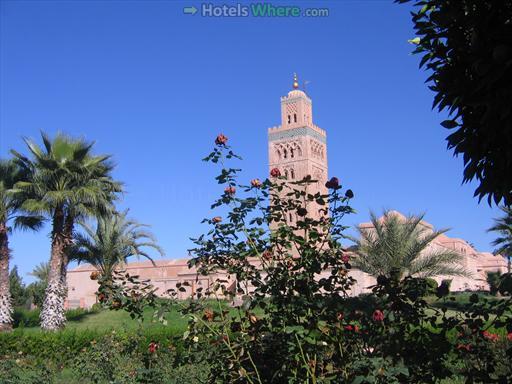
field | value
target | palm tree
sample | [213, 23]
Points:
[41, 272]
[66, 183]
[398, 246]
[503, 226]
[10, 218]
[112, 242]
[37, 288]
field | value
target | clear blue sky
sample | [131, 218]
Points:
[153, 87]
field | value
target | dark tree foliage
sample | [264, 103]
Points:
[17, 288]
[467, 45]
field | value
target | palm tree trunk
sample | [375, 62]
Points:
[5, 295]
[52, 315]
[68, 242]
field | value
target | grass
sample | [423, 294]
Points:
[106, 320]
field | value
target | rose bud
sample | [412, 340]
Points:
[378, 315]
[230, 190]
[255, 183]
[349, 194]
[275, 172]
[334, 183]
[217, 219]
[221, 140]
[253, 319]
[152, 347]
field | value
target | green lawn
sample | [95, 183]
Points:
[107, 320]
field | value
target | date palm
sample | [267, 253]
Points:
[37, 288]
[66, 182]
[10, 218]
[503, 226]
[397, 246]
[114, 239]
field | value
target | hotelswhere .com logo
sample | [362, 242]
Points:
[254, 10]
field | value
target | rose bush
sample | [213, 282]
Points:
[281, 266]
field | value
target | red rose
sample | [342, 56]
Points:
[275, 172]
[466, 347]
[334, 183]
[345, 258]
[152, 347]
[348, 328]
[509, 336]
[230, 190]
[378, 315]
[356, 328]
[490, 336]
[217, 219]
[255, 183]
[221, 140]
[267, 255]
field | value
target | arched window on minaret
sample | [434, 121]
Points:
[294, 117]
[289, 119]
[292, 173]
[278, 154]
[291, 152]
[285, 153]
[286, 174]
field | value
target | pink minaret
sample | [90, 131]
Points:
[298, 147]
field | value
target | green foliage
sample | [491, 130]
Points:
[467, 48]
[19, 293]
[397, 246]
[503, 226]
[493, 279]
[93, 357]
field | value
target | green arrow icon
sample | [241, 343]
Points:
[190, 10]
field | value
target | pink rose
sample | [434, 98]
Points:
[255, 183]
[230, 190]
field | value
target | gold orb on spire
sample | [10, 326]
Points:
[295, 81]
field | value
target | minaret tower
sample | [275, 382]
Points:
[298, 147]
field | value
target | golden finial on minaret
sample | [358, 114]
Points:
[295, 81]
